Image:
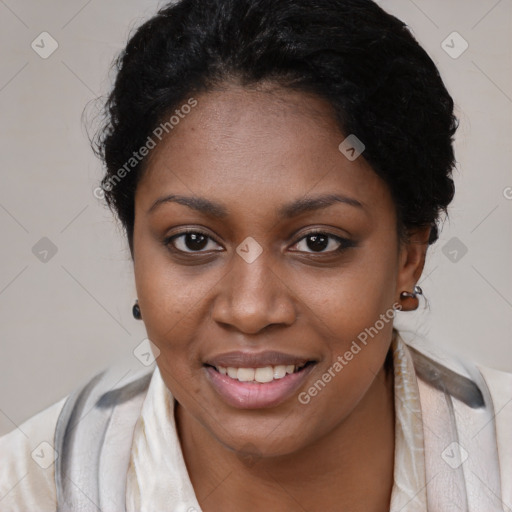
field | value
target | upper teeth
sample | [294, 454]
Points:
[265, 374]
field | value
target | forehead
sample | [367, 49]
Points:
[268, 145]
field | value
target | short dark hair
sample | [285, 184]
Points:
[383, 87]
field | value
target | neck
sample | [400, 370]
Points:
[351, 468]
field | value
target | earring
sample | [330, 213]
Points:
[417, 291]
[136, 311]
[413, 296]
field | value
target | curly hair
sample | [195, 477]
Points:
[382, 85]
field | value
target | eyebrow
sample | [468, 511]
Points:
[199, 204]
[292, 209]
[308, 204]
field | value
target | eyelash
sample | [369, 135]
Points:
[345, 243]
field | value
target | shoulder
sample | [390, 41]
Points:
[32, 454]
[27, 469]
[500, 388]
[463, 378]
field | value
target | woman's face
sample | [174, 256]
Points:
[254, 174]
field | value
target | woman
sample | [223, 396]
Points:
[280, 168]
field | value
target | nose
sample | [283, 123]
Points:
[253, 296]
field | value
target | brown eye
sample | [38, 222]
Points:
[190, 241]
[321, 242]
[317, 242]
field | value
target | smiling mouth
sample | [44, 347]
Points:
[262, 375]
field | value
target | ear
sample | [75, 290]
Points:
[412, 259]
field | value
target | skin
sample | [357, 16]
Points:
[253, 150]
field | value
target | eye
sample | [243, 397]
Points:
[191, 241]
[321, 242]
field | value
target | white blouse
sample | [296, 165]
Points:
[26, 486]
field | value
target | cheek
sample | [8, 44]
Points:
[170, 303]
[328, 401]
[353, 296]
[167, 292]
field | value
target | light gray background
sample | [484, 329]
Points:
[63, 320]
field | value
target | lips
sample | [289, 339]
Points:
[257, 380]
[239, 359]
